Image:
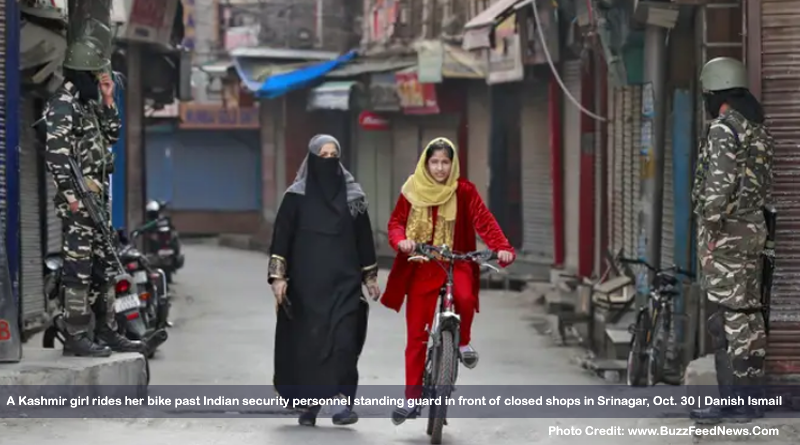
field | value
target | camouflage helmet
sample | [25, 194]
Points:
[90, 50]
[723, 73]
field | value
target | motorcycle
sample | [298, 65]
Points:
[151, 284]
[128, 306]
[162, 242]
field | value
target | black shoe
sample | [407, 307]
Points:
[346, 417]
[119, 343]
[309, 416]
[81, 346]
[400, 415]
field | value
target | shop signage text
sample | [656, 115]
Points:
[416, 97]
[189, 29]
[371, 121]
[150, 21]
[215, 117]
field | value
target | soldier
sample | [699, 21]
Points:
[80, 126]
[732, 185]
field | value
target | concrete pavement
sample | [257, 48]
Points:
[224, 323]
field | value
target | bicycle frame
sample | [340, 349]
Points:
[445, 319]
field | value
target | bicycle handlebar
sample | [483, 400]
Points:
[479, 256]
[673, 268]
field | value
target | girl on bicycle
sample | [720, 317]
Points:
[437, 207]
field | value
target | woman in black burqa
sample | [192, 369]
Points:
[322, 252]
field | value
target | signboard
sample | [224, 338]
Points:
[241, 37]
[382, 18]
[416, 97]
[372, 122]
[383, 92]
[150, 21]
[216, 117]
[430, 59]
[505, 58]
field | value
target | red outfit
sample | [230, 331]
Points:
[422, 281]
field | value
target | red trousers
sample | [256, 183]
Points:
[421, 304]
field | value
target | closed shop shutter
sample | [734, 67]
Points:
[668, 201]
[374, 173]
[537, 184]
[572, 162]
[405, 152]
[205, 171]
[632, 117]
[438, 126]
[31, 283]
[478, 134]
[3, 123]
[615, 149]
[623, 141]
[780, 39]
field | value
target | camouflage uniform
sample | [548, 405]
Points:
[732, 186]
[85, 130]
[730, 195]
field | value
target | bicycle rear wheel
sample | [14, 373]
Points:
[637, 372]
[445, 379]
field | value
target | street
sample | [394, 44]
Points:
[223, 333]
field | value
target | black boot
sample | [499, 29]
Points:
[717, 414]
[309, 416]
[117, 342]
[81, 345]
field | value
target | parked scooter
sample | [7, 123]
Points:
[161, 240]
[128, 307]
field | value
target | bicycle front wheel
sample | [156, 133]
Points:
[637, 354]
[445, 379]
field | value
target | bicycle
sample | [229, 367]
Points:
[650, 334]
[441, 363]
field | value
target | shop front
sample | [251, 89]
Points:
[208, 167]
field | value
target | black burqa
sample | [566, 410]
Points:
[325, 247]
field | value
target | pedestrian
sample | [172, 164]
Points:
[437, 207]
[733, 183]
[82, 121]
[322, 252]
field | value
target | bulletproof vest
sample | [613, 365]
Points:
[753, 170]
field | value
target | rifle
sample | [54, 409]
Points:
[91, 202]
[768, 263]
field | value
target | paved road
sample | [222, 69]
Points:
[224, 322]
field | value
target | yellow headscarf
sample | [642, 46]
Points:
[424, 193]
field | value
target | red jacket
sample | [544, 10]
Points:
[472, 216]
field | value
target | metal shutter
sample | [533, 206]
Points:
[3, 121]
[405, 146]
[537, 184]
[374, 173]
[439, 126]
[572, 162]
[668, 201]
[31, 286]
[780, 40]
[615, 175]
[632, 118]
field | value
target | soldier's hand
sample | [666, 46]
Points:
[279, 289]
[74, 206]
[106, 86]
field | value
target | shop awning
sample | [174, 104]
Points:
[283, 78]
[331, 96]
[478, 30]
[371, 66]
